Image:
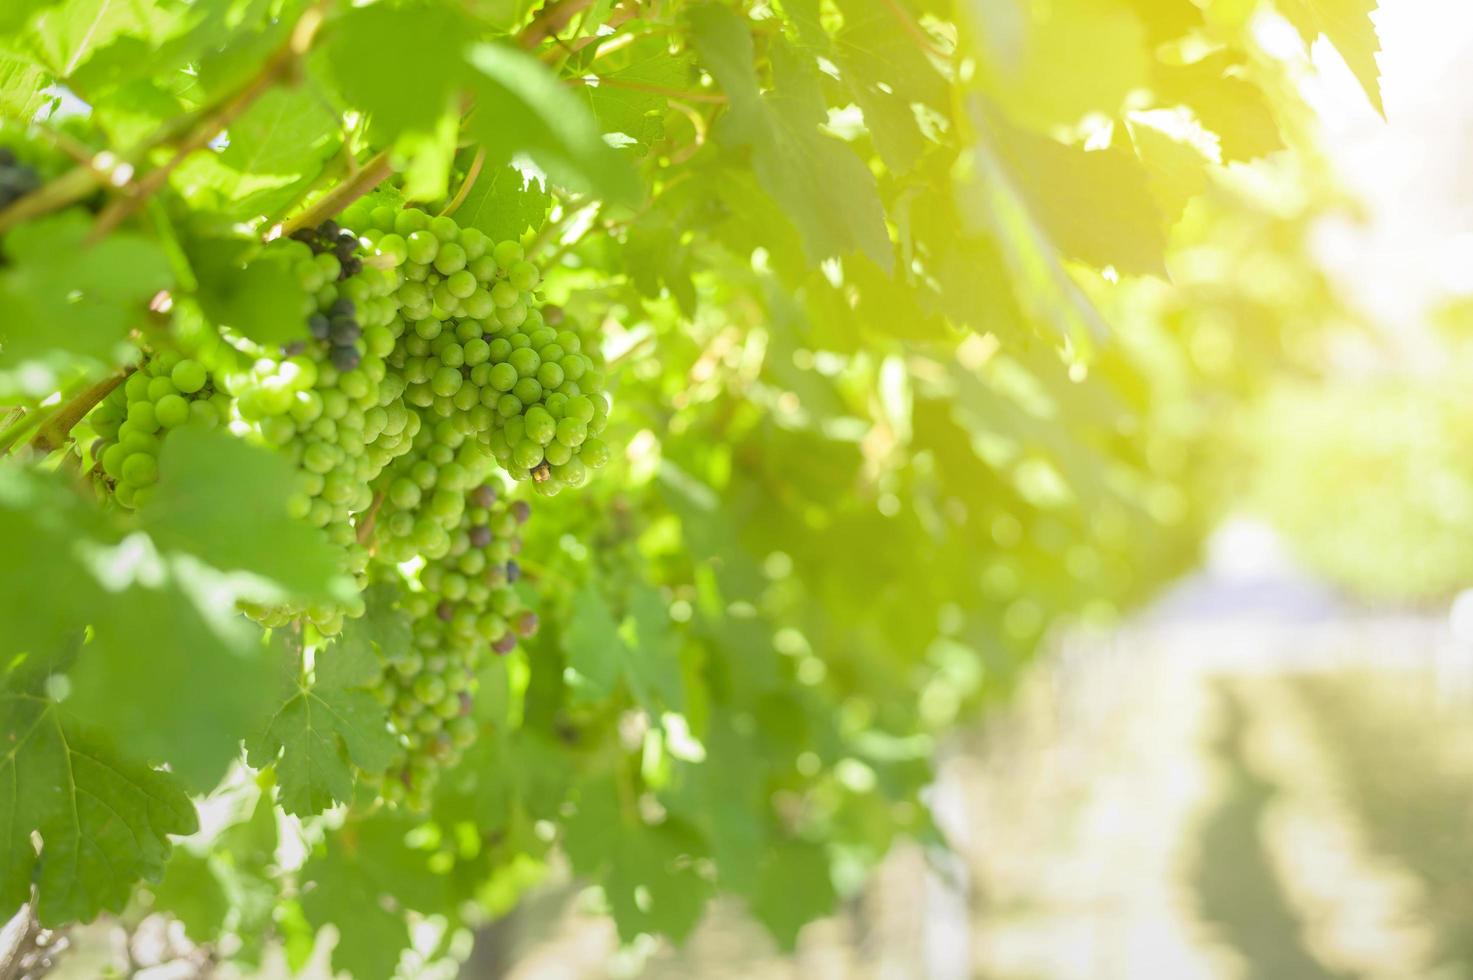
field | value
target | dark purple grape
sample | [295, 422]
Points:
[306, 236]
[445, 610]
[329, 229]
[521, 510]
[484, 496]
[480, 536]
[342, 307]
[344, 331]
[527, 623]
[351, 267]
[513, 571]
[319, 325]
[294, 348]
[7, 157]
[345, 358]
[506, 644]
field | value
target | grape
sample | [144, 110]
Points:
[133, 419]
[463, 607]
[16, 178]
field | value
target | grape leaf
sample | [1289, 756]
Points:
[647, 871]
[288, 131]
[64, 304]
[592, 645]
[413, 39]
[258, 298]
[1177, 170]
[1095, 206]
[360, 883]
[504, 203]
[1348, 25]
[1068, 59]
[1225, 102]
[224, 500]
[66, 34]
[324, 723]
[793, 889]
[211, 652]
[20, 87]
[888, 73]
[192, 892]
[521, 107]
[820, 183]
[104, 823]
[629, 99]
[652, 651]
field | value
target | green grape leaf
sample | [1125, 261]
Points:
[283, 132]
[210, 652]
[225, 501]
[504, 203]
[1177, 170]
[104, 823]
[68, 33]
[1225, 102]
[794, 887]
[888, 73]
[258, 298]
[413, 38]
[124, 588]
[17, 13]
[521, 107]
[64, 304]
[821, 184]
[325, 723]
[652, 651]
[594, 650]
[430, 156]
[361, 882]
[1065, 60]
[1346, 24]
[347, 896]
[43, 519]
[630, 98]
[192, 892]
[21, 84]
[647, 872]
[1094, 206]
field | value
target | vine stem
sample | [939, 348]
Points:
[465, 186]
[553, 18]
[54, 431]
[374, 171]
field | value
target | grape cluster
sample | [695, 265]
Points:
[16, 179]
[335, 411]
[551, 407]
[463, 604]
[477, 349]
[131, 422]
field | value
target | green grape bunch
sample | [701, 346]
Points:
[131, 422]
[464, 605]
[478, 349]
